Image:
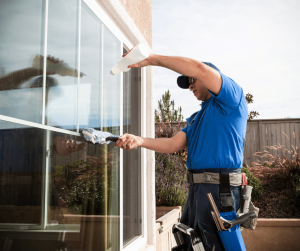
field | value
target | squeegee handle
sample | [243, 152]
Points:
[242, 219]
[114, 139]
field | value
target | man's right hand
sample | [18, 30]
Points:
[146, 62]
[163, 145]
[129, 142]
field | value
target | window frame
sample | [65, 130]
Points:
[140, 241]
[106, 19]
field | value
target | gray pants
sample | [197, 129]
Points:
[197, 211]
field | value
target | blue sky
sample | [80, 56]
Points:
[255, 42]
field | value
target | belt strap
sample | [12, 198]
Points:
[213, 178]
[225, 193]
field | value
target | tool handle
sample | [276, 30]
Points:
[114, 139]
[242, 219]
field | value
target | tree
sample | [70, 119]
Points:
[166, 111]
[249, 100]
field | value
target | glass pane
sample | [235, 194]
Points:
[132, 218]
[84, 194]
[22, 37]
[83, 191]
[62, 46]
[22, 155]
[91, 88]
[111, 84]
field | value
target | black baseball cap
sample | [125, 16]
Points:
[183, 81]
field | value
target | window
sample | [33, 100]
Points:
[132, 190]
[51, 197]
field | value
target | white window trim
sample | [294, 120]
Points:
[98, 10]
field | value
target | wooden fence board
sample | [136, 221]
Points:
[283, 138]
[288, 136]
[292, 131]
[257, 137]
[297, 135]
[264, 138]
[246, 148]
[273, 138]
[252, 142]
[269, 138]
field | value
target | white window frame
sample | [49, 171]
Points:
[141, 241]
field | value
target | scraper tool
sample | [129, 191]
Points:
[99, 137]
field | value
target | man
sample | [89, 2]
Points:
[214, 136]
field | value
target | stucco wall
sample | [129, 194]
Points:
[141, 13]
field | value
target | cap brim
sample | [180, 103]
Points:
[183, 82]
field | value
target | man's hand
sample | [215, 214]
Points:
[163, 145]
[66, 146]
[146, 62]
[129, 142]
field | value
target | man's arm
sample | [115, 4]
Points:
[209, 77]
[163, 145]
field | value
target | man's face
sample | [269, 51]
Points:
[200, 92]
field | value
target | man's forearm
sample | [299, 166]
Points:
[209, 77]
[185, 66]
[163, 145]
[14, 79]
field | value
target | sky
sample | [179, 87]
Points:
[254, 42]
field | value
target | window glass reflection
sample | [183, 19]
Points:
[22, 161]
[62, 45]
[111, 84]
[83, 193]
[22, 37]
[56, 184]
[91, 89]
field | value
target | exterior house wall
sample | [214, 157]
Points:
[141, 14]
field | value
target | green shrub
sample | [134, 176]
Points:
[257, 190]
[171, 187]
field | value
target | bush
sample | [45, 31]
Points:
[171, 187]
[84, 187]
[280, 176]
[253, 181]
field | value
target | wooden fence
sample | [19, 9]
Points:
[265, 132]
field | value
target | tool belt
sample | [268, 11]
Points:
[213, 178]
[225, 180]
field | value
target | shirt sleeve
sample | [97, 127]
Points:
[184, 129]
[230, 94]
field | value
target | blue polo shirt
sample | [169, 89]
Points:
[215, 134]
